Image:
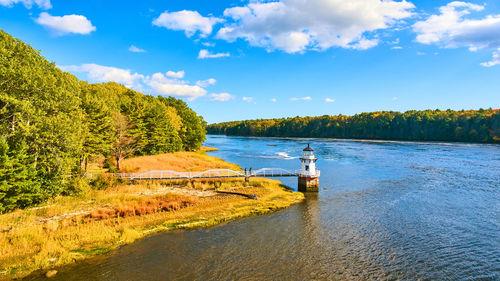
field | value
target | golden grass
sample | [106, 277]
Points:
[178, 161]
[208, 149]
[27, 244]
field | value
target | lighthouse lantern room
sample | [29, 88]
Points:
[308, 175]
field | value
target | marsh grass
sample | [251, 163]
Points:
[32, 239]
[208, 149]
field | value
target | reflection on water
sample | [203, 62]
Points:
[386, 210]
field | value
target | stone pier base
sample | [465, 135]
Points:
[308, 184]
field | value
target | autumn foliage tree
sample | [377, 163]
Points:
[481, 125]
[125, 142]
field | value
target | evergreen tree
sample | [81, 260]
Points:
[19, 185]
[40, 106]
[99, 135]
[161, 135]
[193, 130]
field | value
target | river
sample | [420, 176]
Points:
[385, 211]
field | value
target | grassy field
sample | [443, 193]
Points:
[72, 228]
[178, 161]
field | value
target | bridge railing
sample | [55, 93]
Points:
[213, 173]
[272, 172]
[217, 173]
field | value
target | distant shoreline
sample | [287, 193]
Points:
[363, 140]
[470, 126]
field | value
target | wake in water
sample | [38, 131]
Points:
[280, 155]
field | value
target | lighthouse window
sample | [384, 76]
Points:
[307, 167]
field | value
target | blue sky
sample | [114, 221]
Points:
[233, 60]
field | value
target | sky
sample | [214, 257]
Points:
[235, 60]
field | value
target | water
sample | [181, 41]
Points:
[385, 211]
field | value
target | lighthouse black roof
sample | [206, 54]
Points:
[308, 148]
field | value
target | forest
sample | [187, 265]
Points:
[51, 124]
[482, 126]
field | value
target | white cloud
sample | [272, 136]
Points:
[135, 49]
[291, 42]
[299, 99]
[66, 24]
[158, 83]
[206, 54]
[100, 73]
[247, 99]
[208, 44]
[188, 21]
[394, 98]
[397, 48]
[221, 97]
[43, 4]
[395, 42]
[206, 83]
[494, 61]
[298, 25]
[329, 100]
[421, 54]
[451, 28]
[274, 100]
[162, 84]
[174, 74]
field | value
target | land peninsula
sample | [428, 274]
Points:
[67, 229]
[61, 142]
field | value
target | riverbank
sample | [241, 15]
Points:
[72, 228]
[474, 126]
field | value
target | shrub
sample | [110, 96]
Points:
[104, 181]
[109, 163]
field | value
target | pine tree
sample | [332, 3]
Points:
[162, 135]
[19, 185]
[99, 135]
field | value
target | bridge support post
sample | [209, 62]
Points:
[248, 174]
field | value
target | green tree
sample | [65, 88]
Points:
[40, 106]
[19, 185]
[427, 125]
[193, 126]
[51, 123]
[100, 134]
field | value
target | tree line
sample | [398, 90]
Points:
[51, 124]
[481, 126]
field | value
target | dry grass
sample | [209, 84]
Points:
[164, 203]
[105, 220]
[208, 149]
[178, 161]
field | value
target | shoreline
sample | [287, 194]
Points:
[29, 246]
[366, 140]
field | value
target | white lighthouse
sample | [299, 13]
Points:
[308, 175]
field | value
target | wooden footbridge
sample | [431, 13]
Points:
[210, 174]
